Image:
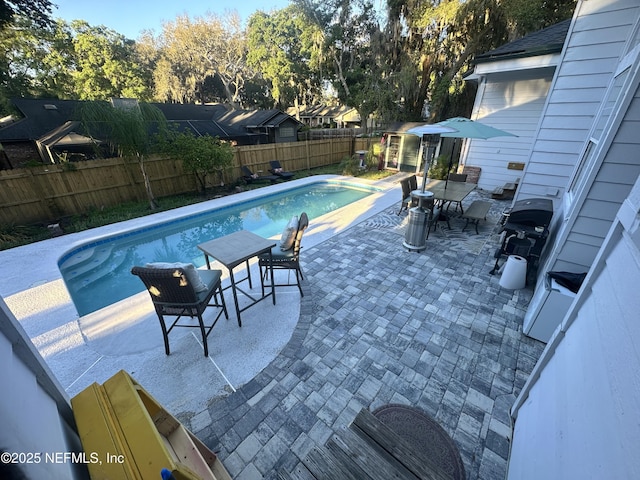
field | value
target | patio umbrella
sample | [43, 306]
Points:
[428, 129]
[466, 128]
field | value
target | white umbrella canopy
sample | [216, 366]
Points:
[430, 129]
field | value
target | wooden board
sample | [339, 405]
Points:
[121, 421]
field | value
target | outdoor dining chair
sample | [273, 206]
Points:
[285, 260]
[181, 291]
[408, 185]
[457, 177]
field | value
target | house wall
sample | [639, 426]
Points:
[287, 131]
[586, 213]
[510, 101]
[21, 153]
[611, 185]
[577, 416]
[36, 416]
[594, 43]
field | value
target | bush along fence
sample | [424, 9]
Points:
[48, 193]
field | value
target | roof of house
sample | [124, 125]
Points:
[254, 118]
[42, 117]
[547, 40]
[178, 111]
[312, 111]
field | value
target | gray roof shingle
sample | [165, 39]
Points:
[547, 40]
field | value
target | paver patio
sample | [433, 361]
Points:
[379, 325]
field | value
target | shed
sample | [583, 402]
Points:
[402, 149]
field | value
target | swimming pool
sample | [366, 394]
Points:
[97, 273]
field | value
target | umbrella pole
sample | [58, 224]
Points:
[453, 149]
[426, 164]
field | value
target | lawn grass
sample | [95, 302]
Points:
[15, 235]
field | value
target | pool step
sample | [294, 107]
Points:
[97, 273]
[85, 261]
[94, 270]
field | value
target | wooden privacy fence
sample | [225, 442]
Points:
[48, 193]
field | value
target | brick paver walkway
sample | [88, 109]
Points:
[382, 325]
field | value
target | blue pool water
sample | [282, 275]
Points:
[98, 274]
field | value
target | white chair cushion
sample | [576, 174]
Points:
[289, 234]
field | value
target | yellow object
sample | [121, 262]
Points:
[126, 434]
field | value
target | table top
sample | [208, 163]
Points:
[455, 191]
[235, 248]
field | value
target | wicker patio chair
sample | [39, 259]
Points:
[285, 260]
[175, 294]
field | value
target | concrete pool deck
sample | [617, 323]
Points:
[126, 335]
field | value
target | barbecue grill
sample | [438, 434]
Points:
[525, 231]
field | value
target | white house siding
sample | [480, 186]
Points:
[512, 102]
[592, 49]
[577, 417]
[611, 185]
[36, 416]
[580, 225]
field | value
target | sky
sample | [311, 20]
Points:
[130, 17]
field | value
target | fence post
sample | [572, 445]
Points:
[46, 198]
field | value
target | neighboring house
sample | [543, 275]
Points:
[348, 117]
[273, 125]
[317, 116]
[50, 128]
[513, 82]
[41, 119]
[577, 415]
[323, 116]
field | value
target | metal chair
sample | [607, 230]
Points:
[173, 294]
[456, 177]
[413, 183]
[287, 260]
[408, 185]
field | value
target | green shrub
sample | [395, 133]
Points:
[15, 235]
[439, 168]
[350, 166]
